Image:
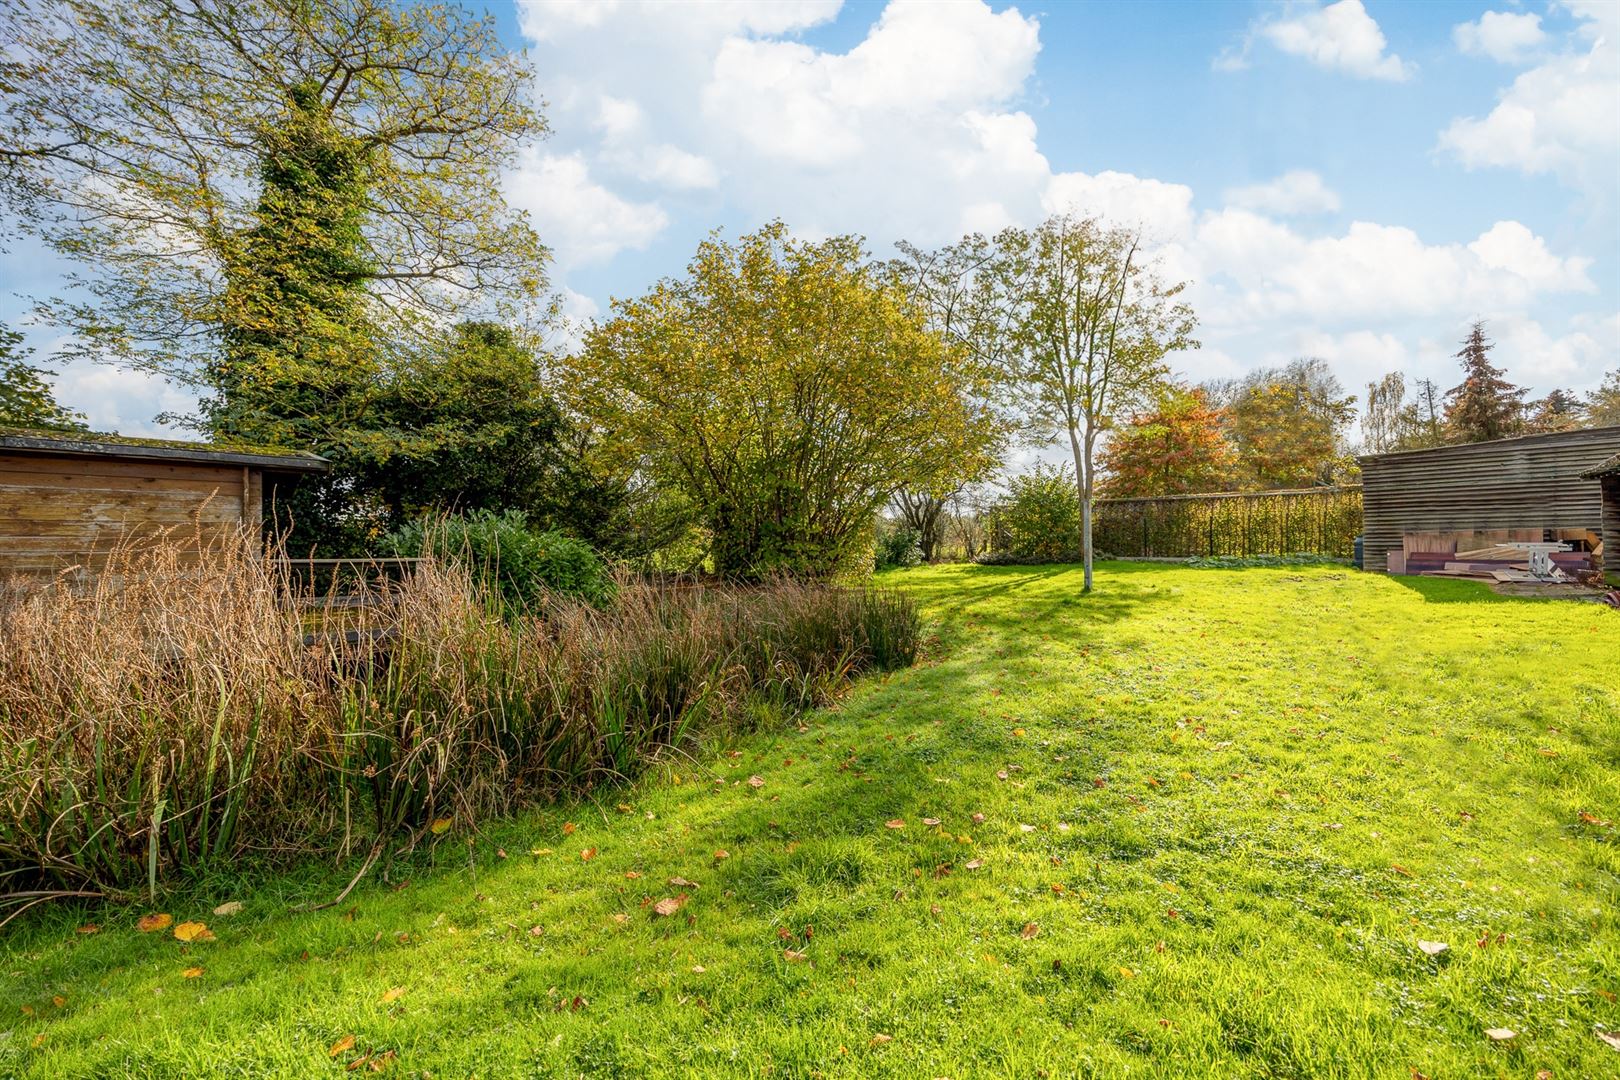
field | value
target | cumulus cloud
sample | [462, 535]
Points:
[1298, 191]
[122, 401]
[582, 220]
[1507, 36]
[1338, 37]
[1557, 117]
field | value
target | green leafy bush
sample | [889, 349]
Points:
[1038, 520]
[520, 562]
[897, 546]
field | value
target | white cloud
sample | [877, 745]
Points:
[1163, 211]
[545, 20]
[622, 124]
[122, 401]
[1507, 36]
[581, 220]
[1339, 37]
[1557, 117]
[1298, 191]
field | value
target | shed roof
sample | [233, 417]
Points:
[1608, 468]
[1573, 435]
[95, 444]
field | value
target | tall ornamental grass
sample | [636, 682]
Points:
[190, 705]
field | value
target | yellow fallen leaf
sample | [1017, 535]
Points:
[39, 1040]
[1432, 948]
[540, 851]
[1030, 930]
[1127, 973]
[441, 825]
[151, 923]
[879, 1040]
[393, 993]
[342, 1046]
[192, 973]
[234, 907]
[1019, 732]
[193, 931]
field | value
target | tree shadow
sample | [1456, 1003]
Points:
[1454, 591]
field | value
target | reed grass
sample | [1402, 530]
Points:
[191, 703]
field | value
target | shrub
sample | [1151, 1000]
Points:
[520, 562]
[1039, 520]
[897, 546]
[179, 711]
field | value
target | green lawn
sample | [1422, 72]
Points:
[1219, 811]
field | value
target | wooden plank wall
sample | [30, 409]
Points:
[1611, 526]
[1526, 483]
[57, 512]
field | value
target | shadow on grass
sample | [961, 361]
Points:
[1451, 591]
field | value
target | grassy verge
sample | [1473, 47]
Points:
[1195, 824]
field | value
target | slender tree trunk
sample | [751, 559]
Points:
[1082, 483]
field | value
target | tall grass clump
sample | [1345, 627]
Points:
[192, 704]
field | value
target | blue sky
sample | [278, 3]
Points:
[1356, 182]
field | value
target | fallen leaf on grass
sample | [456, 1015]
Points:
[193, 931]
[192, 973]
[978, 819]
[342, 1046]
[681, 883]
[879, 1040]
[668, 906]
[540, 851]
[568, 828]
[631, 875]
[1030, 930]
[233, 907]
[151, 923]
[756, 782]
[930, 821]
[1018, 732]
[1001, 774]
[1025, 828]
[721, 854]
[88, 928]
[894, 823]
[1127, 973]
[1432, 948]
[1609, 1038]
[588, 854]
[1500, 1034]
[973, 864]
[792, 956]
[1401, 870]
[58, 1000]
[442, 825]
[393, 993]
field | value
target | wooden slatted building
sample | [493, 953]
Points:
[1607, 475]
[66, 499]
[1529, 483]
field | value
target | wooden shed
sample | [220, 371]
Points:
[1533, 487]
[1608, 477]
[66, 499]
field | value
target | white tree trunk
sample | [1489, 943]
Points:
[1082, 483]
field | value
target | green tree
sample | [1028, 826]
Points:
[788, 389]
[1603, 404]
[1484, 405]
[1387, 417]
[1176, 447]
[206, 159]
[1081, 326]
[1039, 518]
[1560, 410]
[26, 399]
[1287, 425]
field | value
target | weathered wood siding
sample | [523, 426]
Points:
[57, 512]
[1611, 525]
[1532, 482]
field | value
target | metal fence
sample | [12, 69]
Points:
[1318, 521]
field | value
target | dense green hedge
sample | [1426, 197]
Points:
[1316, 521]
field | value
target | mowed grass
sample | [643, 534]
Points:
[1220, 810]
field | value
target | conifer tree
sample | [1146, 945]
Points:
[1484, 405]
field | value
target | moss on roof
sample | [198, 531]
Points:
[227, 446]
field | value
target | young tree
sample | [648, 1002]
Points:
[1083, 325]
[1484, 405]
[789, 389]
[1288, 424]
[1176, 447]
[1384, 422]
[1560, 410]
[180, 150]
[1603, 404]
[26, 398]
